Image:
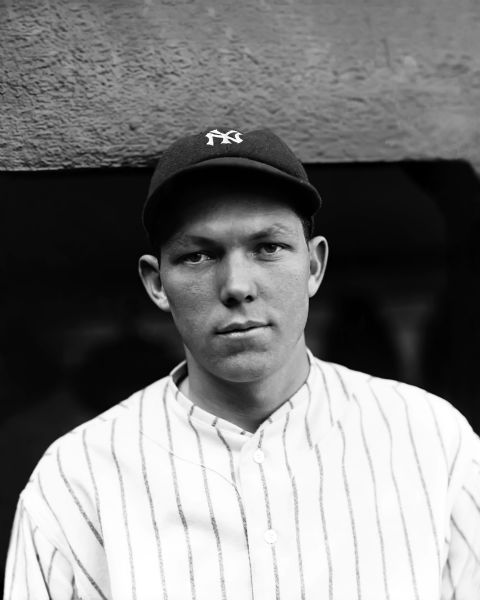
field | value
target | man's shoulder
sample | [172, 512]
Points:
[391, 398]
[74, 464]
[94, 436]
[404, 409]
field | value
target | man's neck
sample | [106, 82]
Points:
[246, 404]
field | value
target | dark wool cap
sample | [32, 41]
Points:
[259, 151]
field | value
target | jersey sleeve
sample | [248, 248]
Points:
[35, 567]
[461, 574]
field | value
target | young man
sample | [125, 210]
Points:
[254, 470]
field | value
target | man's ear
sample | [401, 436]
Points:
[318, 250]
[149, 271]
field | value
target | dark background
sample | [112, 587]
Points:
[78, 333]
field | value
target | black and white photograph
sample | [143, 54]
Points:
[240, 300]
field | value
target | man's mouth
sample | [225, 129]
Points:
[241, 327]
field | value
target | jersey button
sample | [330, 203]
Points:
[270, 536]
[259, 456]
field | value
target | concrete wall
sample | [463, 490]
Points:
[88, 83]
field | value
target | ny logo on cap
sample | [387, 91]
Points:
[226, 138]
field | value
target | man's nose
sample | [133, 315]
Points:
[236, 280]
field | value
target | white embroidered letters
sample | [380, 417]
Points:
[227, 138]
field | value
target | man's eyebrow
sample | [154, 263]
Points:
[188, 239]
[274, 229]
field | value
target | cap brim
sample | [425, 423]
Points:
[307, 202]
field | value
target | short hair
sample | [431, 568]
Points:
[168, 217]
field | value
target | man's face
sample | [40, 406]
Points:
[237, 276]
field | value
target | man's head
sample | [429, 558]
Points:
[235, 264]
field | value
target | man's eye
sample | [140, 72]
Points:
[195, 258]
[270, 249]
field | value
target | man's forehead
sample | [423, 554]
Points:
[249, 228]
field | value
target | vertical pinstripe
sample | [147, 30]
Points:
[467, 543]
[350, 511]
[124, 510]
[50, 566]
[342, 382]
[295, 507]
[91, 526]
[454, 462]
[149, 495]
[307, 412]
[39, 562]
[327, 392]
[177, 496]
[213, 520]
[375, 496]
[239, 498]
[397, 492]
[422, 479]
[92, 477]
[230, 454]
[87, 574]
[269, 518]
[92, 582]
[21, 510]
[472, 498]
[324, 524]
[450, 578]
[439, 435]
[27, 585]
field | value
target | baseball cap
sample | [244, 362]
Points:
[258, 151]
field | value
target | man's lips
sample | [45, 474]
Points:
[240, 326]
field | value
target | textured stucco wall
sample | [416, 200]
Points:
[88, 83]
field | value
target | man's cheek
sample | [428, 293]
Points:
[188, 316]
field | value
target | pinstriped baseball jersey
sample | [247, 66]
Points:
[355, 488]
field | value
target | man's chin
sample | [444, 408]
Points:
[245, 366]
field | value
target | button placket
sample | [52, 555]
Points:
[255, 472]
